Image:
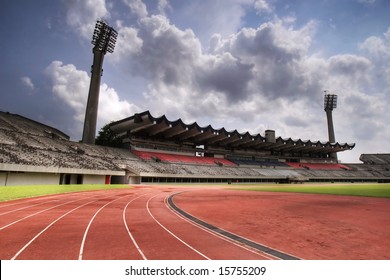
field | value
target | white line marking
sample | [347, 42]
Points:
[24, 208]
[189, 246]
[39, 212]
[127, 228]
[89, 225]
[32, 240]
[33, 198]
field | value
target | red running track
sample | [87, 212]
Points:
[140, 224]
[134, 223]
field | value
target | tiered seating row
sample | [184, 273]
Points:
[26, 149]
[375, 158]
[258, 163]
[318, 166]
[182, 158]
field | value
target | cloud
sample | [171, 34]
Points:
[250, 78]
[163, 5]
[128, 44]
[209, 17]
[263, 6]
[268, 60]
[377, 49]
[71, 87]
[26, 81]
[137, 7]
[225, 74]
[81, 15]
[367, 1]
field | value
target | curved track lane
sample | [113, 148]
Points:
[135, 223]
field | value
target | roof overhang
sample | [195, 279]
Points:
[146, 126]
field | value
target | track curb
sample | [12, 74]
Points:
[229, 235]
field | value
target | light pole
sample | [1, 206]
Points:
[330, 103]
[103, 39]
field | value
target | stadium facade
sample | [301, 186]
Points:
[156, 149]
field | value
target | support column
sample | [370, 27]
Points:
[91, 112]
[332, 138]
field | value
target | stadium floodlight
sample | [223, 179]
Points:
[103, 39]
[330, 103]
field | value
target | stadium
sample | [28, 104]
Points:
[157, 150]
[178, 191]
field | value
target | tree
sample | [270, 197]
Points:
[107, 137]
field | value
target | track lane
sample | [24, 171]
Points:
[18, 203]
[154, 241]
[107, 236]
[141, 253]
[170, 232]
[212, 245]
[117, 224]
[16, 215]
[54, 243]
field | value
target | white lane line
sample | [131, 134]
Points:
[44, 210]
[52, 223]
[215, 234]
[128, 230]
[171, 233]
[90, 223]
[35, 198]
[22, 208]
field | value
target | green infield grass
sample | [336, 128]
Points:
[373, 190]
[14, 192]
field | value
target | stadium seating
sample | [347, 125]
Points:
[178, 158]
[27, 143]
[375, 158]
[258, 162]
[318, 166]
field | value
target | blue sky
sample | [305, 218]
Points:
[248, 65]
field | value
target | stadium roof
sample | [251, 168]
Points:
[160, 128]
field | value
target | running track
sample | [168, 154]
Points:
[135, 223]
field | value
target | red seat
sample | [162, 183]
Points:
[182, 158]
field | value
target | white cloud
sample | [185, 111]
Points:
[137, 7]
[367, 1]
[209, 17]
[163, 5]
[71, 87]
[81, 15]
[377, 49]
[26, 81]
[251, 78]
[263, 6]
[127, 45]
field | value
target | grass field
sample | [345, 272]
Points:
[371, 190]
[14, 192]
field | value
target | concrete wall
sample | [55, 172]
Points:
[135, 180]
[15, 179]
[3, 178]
[94, 179]
[32, 178]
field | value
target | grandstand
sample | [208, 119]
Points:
[159, 150]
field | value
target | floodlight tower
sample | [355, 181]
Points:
[103, 39]
[330, 103]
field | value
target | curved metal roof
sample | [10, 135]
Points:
[145, 125]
